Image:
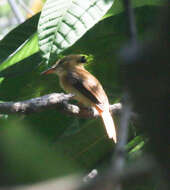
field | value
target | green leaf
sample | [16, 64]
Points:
[89, 144]
[30, 47]
[17, 37]
[21, 67]
[137, 147]
[133, 143]
[117, 7]
[28, 157]
[63, 22]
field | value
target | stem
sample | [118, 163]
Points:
[20, 18]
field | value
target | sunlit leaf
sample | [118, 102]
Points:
[26, 65]
[30, 47]
[17, 37]
[63, 22]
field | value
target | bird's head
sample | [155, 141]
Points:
[67, 63]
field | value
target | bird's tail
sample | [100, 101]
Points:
[109, 124]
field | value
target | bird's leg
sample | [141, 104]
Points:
[65, 104]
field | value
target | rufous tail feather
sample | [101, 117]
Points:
[109, 124]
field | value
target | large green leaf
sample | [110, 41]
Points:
[63, 22]
[17, 37]
[21, 67]
[118, 7]
[28, 157]
[25, 37]
[30, 47]
[19, 44]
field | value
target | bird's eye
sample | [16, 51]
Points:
[83, 59]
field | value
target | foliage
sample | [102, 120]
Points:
[52, 139]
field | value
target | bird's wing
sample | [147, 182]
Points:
[88, 86]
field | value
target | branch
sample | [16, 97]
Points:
[52, 101]
[131, 25]
[63, 183]
[20, 18]
[136, 173]
[24, 6]
[120, 150]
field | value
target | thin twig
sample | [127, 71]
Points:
[136, 173]
[56, 101]
[24, 6]
[120, 151]
[120, 154]
[20, 18]
[130, 21]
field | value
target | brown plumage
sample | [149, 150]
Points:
[75, 79]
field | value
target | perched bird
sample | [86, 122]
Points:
[75, 79]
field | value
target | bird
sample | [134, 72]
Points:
[87, 90]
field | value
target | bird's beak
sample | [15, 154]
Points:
[48, 71]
